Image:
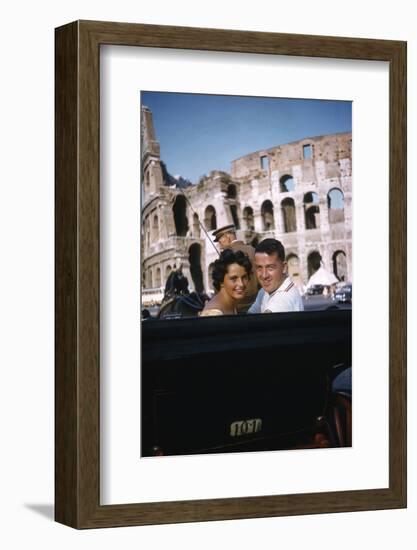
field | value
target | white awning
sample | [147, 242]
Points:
[322, 277]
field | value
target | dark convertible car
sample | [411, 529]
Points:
[245, 383]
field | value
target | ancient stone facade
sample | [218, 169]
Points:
[299, 193]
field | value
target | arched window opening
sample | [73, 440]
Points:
[340, 265]
[147, 233]
[210, 218]
[194, 257]
[264, 160]
[313, 262]
[293, 267]
[196, 226]
[149, 278]
[286, 184]
[158, 280]
[180, 216]
[311, 210]
[233, 211]
[293, 263]
[248, 218]
[168, 270]
[231, 191]
[288, 215]
[155, 228]
[267, 214]
[307, 151]
[255, 242]
[336, 203]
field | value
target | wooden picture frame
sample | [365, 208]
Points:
[77, 405]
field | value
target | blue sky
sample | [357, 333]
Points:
[200, 133]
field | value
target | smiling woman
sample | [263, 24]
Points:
[231, 274]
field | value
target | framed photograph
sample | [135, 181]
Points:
[218, 196]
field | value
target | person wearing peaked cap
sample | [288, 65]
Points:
[226, 237]
[223, 231]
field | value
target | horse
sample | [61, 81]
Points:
[178, 301]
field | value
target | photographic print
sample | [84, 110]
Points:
[246, 210]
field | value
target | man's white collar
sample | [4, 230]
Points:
[284, 287]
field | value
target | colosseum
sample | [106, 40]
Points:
[299, 193]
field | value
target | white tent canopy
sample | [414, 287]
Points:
[322, 277]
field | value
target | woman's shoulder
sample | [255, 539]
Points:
[211, 312]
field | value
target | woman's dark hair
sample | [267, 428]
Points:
[229, 257]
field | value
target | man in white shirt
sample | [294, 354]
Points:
[278, 292]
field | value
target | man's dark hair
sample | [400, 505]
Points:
[229, 257]
[271, 246]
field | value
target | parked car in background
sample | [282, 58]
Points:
[344, 294]
[313, 290]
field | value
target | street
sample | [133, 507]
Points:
[321, 302]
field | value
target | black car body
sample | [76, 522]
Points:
[239, 383]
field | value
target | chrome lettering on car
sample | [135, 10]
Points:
[244, 427]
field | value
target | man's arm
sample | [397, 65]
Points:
[283, 302]
[256, 306]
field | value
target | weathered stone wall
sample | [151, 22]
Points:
[283, 192]
[283, 174]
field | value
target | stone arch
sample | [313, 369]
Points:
[196, 225]
[235, 218]
[289, 222]
[311, 210]
[307, 151]
[340, 265]
[313, 262]
[267, 214]
[147, 233]
[248, 218]
[155, 228]
[286, 183]
[194, 257]
[293, 267]
[336, 205]
[210, 220]
[158, 279]
[180, 215]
